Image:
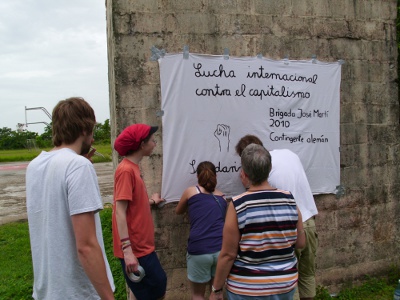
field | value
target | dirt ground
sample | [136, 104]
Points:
[12, 189]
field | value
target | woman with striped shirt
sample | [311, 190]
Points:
[262, 228]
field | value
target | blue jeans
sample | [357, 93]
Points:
[286, 296]
[154, 283]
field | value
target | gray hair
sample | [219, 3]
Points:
[256, 163]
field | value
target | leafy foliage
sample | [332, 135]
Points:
[372, 288]
[15, 139]
[45, 140]
[10, 139]
[102, 132]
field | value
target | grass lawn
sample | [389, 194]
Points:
[28, 155]
[16, 275]
[15, 265]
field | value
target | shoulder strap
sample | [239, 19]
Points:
[198, 189]
[220, 206]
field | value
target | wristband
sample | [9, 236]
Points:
[214, 290]
[125, 247]
[125, 243]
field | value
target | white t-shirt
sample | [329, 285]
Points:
[60, 184]
[288, 174]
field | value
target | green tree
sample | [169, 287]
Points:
[10, 139]
[5, 137]
[102, 133]
[45, 139]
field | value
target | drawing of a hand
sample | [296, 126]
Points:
[222, 134]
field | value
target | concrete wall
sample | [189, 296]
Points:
[359, 232]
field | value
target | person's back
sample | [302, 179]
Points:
[206, 217]
[266, 262]
[206, 207]
[49, 179]
[63, 200]
[262, 228]
[288, 174]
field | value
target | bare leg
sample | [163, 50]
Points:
[198, 290]
[131, 295]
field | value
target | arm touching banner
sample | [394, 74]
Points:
[209, 103]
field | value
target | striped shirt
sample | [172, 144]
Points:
[266, 263]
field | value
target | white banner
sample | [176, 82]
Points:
[210, 102]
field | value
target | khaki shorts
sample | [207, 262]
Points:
[306, 261]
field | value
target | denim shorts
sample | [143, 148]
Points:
[201, 268]
[154, 283]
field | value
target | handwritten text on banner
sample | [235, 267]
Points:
[210, 102]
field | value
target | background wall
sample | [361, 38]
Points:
[359, 232]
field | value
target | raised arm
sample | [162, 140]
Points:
[182, 206]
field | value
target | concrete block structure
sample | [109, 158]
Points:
[359, 232]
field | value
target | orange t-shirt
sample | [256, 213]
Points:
[129, 186]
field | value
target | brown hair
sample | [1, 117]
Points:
[71, 118]
[207, 176]
[245, 141]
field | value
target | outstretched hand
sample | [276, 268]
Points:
[157, 198]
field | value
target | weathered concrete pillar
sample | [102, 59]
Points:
[359, 232]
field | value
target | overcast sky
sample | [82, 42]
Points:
[51, 50]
